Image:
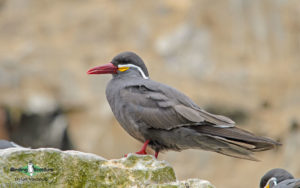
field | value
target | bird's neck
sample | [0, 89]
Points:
[129, 74]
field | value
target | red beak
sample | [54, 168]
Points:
[108, 68]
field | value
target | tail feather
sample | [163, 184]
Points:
[236, 142]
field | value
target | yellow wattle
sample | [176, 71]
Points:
[122, 69]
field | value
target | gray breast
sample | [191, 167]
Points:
[122, 109]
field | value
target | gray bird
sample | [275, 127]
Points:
[166, 119]
[8, 144]
[279, 178]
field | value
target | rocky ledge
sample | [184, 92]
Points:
[46, 167]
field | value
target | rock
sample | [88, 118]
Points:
[185, 184]
[187, 43]
[53, 167]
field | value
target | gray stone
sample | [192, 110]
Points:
[187, 44]
[52, 167]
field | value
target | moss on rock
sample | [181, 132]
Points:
[53, 167]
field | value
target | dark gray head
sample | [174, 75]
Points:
[127, 59]
[124, 63]
[278, 174]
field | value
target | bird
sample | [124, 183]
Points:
[279, 178]
[4, 144]
[164, 118]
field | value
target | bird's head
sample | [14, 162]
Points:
[273, 177]
[271, 183]
[125, 61]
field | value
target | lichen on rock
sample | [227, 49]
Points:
[51, 167]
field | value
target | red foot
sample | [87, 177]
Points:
[141, 153]
[143, 150]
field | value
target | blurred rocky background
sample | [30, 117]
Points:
[239, 58]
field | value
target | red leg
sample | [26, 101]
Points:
[156, 154]
[143, 150]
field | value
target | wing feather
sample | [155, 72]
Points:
[163, 107]
[189, 113]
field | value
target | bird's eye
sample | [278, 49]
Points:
[122, 69]
[271, 182]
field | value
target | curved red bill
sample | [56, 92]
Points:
[108, 68]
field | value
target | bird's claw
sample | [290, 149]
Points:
[139, 153]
